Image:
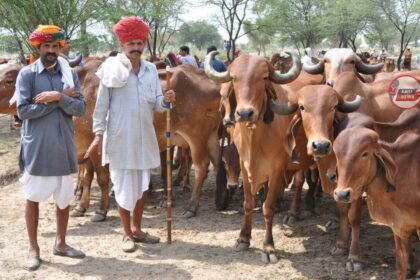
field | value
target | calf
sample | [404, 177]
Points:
[389, 173]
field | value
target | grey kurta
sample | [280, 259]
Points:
[125, 117]
[47, 146]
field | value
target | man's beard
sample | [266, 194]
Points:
[49, 58]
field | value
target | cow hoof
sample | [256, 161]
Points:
[289, 218]
[241, 246]
[353, 266]
[188, 214]
[337, 250]
[99, 216]
[331, 225]
[77, 212]
[268, 258]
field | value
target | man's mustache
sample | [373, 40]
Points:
[53, 54]
[139, 52]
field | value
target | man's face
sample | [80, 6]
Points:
[49, 52]
[67, 46]
[182, 53]
[133, 49]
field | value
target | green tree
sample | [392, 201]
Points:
[404, 16]
[258, 39]
[20, 18]
[199, 33]
[232, 16]
[344, 20]
[297, 22]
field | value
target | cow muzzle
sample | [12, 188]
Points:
[245, 115]
[343, 195]
[320, 148]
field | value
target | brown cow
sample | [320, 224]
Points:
[389, 173]
[338, 60]
[260, 133]
[8, 75]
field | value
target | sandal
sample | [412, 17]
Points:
[69, 252]
[128, 245]
[32, 263]
[147, 238]
[77, 212]
[100, 216]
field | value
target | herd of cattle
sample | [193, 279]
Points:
[330, 123]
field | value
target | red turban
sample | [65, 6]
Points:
[131, 28]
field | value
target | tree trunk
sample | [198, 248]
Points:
[83, 34]
[155, 35]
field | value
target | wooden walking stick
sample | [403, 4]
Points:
[168, 161]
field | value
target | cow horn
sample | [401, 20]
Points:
[218, 77]
[314, 69]
[350, 106]
[368, 68]
[292, 74]
[282, 108]
[76, 61]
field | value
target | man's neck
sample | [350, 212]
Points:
[135, 63]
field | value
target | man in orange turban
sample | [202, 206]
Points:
[48, 96]
[130, 147]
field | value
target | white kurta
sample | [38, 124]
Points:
[125, 117]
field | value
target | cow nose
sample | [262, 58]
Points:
[330, 83]
[245, 114]
[321, 148]
[232, 186]
[343, 196]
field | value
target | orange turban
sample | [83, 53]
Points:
[131, 28]
[47, 34]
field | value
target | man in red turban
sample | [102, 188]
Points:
[130, 145]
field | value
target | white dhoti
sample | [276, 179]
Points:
[40, 188]
[129, 186]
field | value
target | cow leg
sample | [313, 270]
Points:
[201, 163]
[355, 254]
[103, 178]
[344, 229]
[312, 179]
[402, 252]
[268, 255]
[293, 213]
[243, 242]
[86, 181]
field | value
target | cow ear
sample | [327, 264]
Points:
[290, 135]
[386, 161]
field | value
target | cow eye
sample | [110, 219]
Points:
[325, 60]
[301, 107]
[365, 154]
[351, 61]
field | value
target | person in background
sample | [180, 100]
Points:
[65, 51]
[307, 58]
[217, 64]
[407, 59]
[185, 56]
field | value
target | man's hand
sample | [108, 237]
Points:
[47, 97]
[169, 96]
[95, 146]
[71, 92]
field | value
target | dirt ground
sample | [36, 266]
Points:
[201, 248]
